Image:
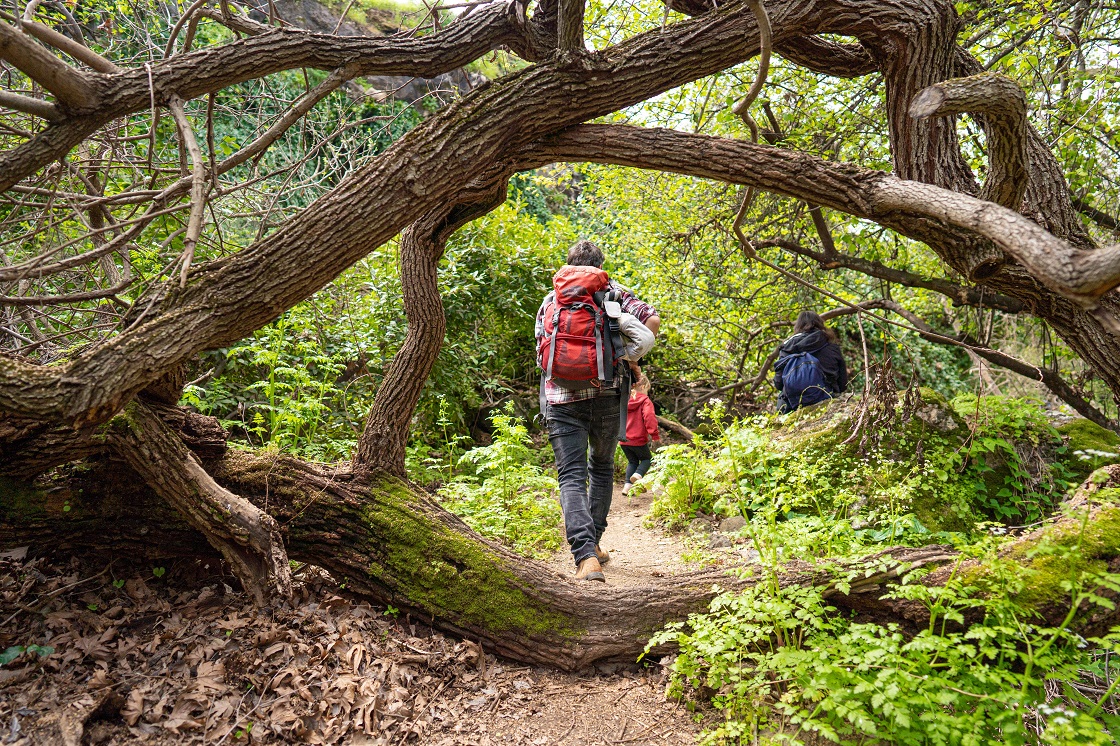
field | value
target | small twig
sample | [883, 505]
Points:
[342, 17]
[187, 16]
[55, 592]
[80, 52]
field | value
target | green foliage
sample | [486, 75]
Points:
[1006, 435]
[509, 498]
[780, 660]
[16, 651]
[945, 468]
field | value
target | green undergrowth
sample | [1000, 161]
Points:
[780, 665]
[931, 469]
[998, 662]
[503, 492]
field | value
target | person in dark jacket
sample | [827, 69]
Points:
[804, 379]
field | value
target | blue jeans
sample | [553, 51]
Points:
[583, 436]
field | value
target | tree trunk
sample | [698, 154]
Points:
[385, 541]
[382, 444]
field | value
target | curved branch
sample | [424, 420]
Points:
[827, 57]
[385, 435]
[1003, 101]
[247, 537]
[960, 295]
[381, 446]
[73, 89]
[62, 43]
[1079, 275]
[915, 209]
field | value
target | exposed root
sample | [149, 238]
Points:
[246, 536]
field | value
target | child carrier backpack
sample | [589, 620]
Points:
[582, 341]
[802, 380]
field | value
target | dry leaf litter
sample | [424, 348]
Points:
[180, 659]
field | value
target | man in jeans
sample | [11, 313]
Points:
[588, 420]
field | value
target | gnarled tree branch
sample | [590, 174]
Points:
[247, 538]
[1003, 102]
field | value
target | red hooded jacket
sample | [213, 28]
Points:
[641, 421]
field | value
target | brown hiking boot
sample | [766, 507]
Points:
[590, 569]
[602, 555]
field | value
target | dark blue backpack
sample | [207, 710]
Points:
[802, 381]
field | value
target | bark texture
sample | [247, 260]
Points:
[381, 446]
[247, 538]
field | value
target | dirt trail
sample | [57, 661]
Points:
[638, 554]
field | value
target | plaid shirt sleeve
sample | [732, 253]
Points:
[632, 305]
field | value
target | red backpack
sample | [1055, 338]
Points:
[577, 349]
[582, 343]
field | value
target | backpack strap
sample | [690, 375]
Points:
[623, 401]
[599, 351]
[546, 373]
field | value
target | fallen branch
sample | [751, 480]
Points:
[675, 427]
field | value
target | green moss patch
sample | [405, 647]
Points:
[1090, 447]
[446, 572]
[19, 500]
[1065, 552]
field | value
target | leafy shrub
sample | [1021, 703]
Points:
[1015, 453]
[782, 661]
[942, 470]
[509, 498]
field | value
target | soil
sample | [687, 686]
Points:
[178, 656]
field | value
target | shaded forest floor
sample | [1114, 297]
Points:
[176, 655]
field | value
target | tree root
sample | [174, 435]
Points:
[247, 537]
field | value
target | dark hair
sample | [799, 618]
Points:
[807, 321]
[585, 254]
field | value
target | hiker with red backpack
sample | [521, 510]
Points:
[810, 366]
[585, 378]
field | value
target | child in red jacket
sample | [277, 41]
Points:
[641, 430]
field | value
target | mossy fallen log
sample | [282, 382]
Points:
[384, 540]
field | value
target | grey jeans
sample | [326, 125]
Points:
[583, 436]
